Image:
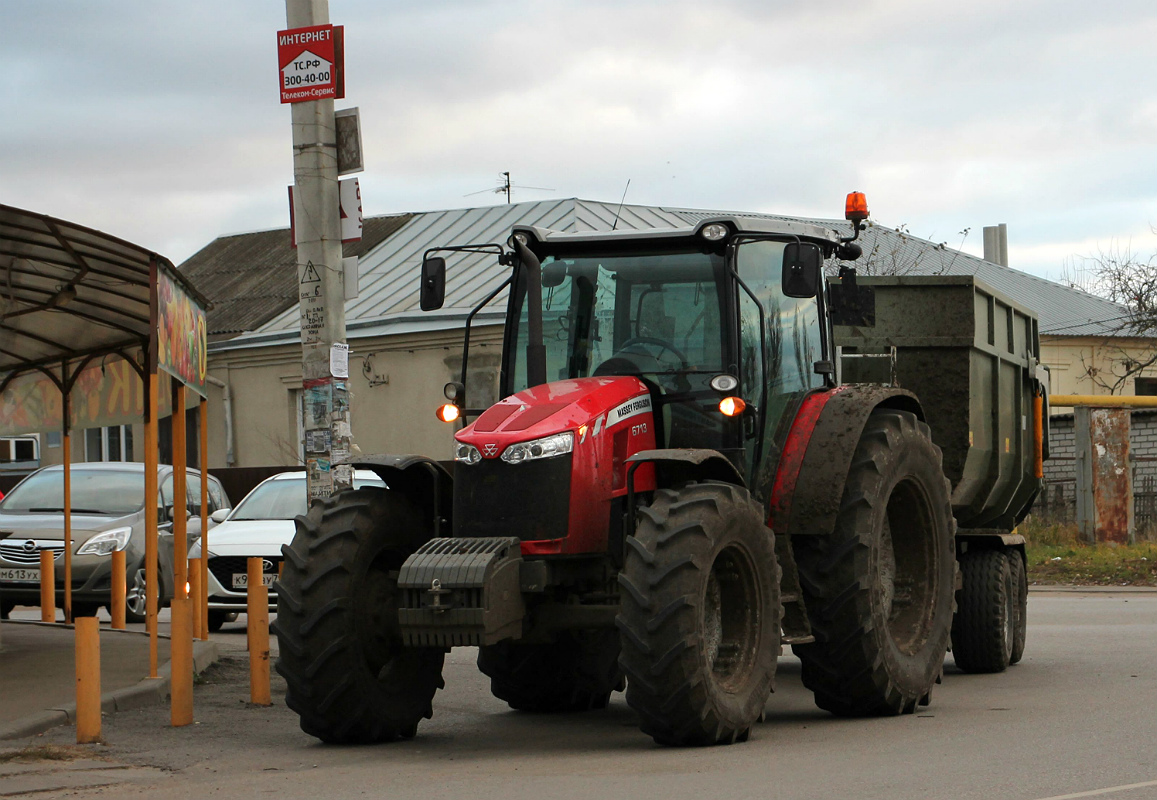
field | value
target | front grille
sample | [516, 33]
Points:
[224, 567]
[14, 552]
[530, 500]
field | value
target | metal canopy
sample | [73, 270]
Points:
[68, 291]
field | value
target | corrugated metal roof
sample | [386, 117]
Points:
[252, 277]
[389, 273]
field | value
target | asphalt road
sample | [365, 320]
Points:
[1077, 718]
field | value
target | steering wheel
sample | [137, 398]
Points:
[658, 343]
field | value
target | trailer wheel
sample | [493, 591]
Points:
[577, 672]
[984, 627]
[879, 587]
[700, 615]
[1020, 584]
[348, 675]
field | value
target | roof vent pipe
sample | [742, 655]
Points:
[996, 244]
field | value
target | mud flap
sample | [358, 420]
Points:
[460, 591]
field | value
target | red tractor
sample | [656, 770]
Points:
[675, 485]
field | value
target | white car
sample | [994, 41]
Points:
[257, 526]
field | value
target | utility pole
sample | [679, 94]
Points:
[324, 358]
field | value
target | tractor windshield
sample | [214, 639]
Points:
[655, 315]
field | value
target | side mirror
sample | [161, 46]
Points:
[167, 514]
[802, 266]
[432, 293]
[553, 274]
[220, 514]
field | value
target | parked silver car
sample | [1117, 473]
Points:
[258, 526]
[108, 513]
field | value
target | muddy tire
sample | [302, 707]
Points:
[983, 629]
[348, 675]
[879, 587]
[700, 615]
[577, 672]
[1020, 584]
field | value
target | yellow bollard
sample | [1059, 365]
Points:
[195, 595]
[87, 631]
[253, 570]
[181, 660]
[259, 644]
[47, 587]
[117, 598]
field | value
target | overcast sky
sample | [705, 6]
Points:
[160, 122]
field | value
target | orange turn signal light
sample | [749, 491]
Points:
[448, 412]
[732, 406]
[856, 207]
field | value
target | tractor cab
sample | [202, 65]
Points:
[724, 323]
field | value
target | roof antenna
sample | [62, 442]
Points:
[620, 211]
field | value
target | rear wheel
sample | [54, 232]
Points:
[879, 587]
[700, 615]
[984, 628]
[348, 675]
[1020, 584]
[577, 672]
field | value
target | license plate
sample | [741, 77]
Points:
[20, 575]
[241, 580]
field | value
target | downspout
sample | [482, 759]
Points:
[227, 399]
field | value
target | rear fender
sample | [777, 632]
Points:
[422, 480]
[809, 481]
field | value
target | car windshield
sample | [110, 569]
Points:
[283, 498]
[107, 492]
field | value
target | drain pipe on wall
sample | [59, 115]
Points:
[227, 400]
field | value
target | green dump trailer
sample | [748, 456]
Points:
[957, 343]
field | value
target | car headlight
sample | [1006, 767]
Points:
[466, 453]
[547, 447]
[105, 543]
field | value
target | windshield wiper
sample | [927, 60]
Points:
[74, 511]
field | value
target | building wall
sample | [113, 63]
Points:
[395, 385]
[1082, 364]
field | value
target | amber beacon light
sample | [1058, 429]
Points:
[856, 207]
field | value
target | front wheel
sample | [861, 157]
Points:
[136, 605]
[879, 586]
[700, 615]
[348, 675]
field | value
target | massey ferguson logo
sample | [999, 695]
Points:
[489, 450]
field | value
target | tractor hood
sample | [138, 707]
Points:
[555, 407]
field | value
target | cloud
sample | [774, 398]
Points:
[161, 123]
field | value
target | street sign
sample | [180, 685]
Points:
[308, 64]
[349, 207]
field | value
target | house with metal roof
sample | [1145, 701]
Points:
[401, 357]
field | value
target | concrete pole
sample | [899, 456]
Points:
[317, 220]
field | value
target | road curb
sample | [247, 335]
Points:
[150, 691]
[1070, 588]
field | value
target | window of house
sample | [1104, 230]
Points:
[1145, 387]
[114, 443]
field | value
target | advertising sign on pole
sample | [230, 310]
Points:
[308, 64]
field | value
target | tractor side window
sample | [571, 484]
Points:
[792, 336]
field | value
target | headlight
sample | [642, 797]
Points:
[547, 447]
[466, 453]
[105, 543]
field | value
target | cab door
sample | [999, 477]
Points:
[781, 372]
